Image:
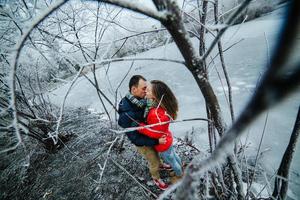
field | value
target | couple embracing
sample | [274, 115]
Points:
[155, 143]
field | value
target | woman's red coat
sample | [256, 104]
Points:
[157, 115]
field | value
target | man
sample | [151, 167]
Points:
[131, 112]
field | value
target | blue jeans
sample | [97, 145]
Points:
[171, 157]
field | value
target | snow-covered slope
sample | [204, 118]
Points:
[245, 61]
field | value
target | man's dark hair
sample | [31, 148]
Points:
[134, 81]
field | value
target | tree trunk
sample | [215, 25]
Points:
[220, 48]
[176, 28]
[281, 181]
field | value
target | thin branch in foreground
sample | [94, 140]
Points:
[100, 91]
[119, 85]
[105, 162]
[220, 48]
[104, 62]
[54, 137]
[212, 59]
[229, 22]
[158, 124]
[142, 186]
[257, 154]
[200, 23]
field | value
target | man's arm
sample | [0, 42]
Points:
[125, 119]
[156, 131]
[142, 140]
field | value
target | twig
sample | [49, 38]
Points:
[107, 157]
[141, 33]
[103, 62]
[142, 186]
[212, 59]
[137, 7]
[188, 144]
[99, 91]
[54, 138]
[116, 91]
[220, 48]
[157, 124]
[222, 31]
[200, 23]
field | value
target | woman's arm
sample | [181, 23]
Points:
[156, 131]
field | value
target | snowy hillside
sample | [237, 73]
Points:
[246, 61]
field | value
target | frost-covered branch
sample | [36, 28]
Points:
[106, 159]
[200, 23]
[232, 45]
[14, 64]
[137, 6]
[106, 61]
[229, 22]
[96, 84]
[101, 92]
[119, 85]
[220, 48]
[257, 155]
[142, 186]
[140, 33]
[55, 137]
[158, 124]
[63, 39]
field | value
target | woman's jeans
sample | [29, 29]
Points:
[172, 159]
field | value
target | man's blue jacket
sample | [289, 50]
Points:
[128, 113]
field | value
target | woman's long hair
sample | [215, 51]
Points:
[164, 95]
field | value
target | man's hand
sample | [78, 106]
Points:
[162, 140]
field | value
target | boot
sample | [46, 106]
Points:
[165, 166]
[160, 184]
[175, 179]
[172, 173]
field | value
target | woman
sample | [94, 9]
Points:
[162, 107]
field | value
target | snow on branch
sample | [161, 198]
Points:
[137, 34]
[137, 6]
[158, 124]
[229, 22]
[102, 168]
[209, 28]
[142, 186]
[103, 62]
[14, 64]
[54, 137]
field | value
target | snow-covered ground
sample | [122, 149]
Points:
[245, 61]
